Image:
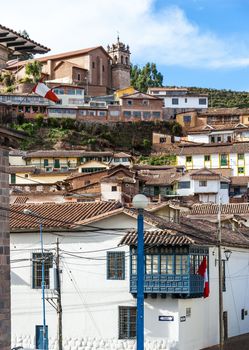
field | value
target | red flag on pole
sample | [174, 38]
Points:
[44, 91]
[204, 273]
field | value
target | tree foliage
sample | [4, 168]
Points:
[33, 70]
[224, 98]
[145, 77]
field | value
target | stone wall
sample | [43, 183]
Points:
[95, 344]
[4, 253]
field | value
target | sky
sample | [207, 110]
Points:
[202, 43]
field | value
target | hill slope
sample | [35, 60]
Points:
[224, 98]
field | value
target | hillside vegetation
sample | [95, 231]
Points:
[67, 133]
[224, 98]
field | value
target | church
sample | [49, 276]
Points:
[100, 71]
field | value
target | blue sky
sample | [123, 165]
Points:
[201, 43]
[227, 19]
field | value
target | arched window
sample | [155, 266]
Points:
[126, 61]
[122, 60]
[115, 59]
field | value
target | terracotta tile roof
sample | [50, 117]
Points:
[161, 177]
[57, 215]
[205, 148]
[21, 200]
[239, 180]
[63, 55]
[14, 169]
[139, 96]
[66, 153]
[205, 129]
[157, 237]
[206, 174]
[212, 209]
[189, 231]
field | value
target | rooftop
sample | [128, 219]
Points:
[19, 43]
[213, 148]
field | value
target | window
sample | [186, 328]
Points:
[93, 64]
[202, 101]
[219, 139]
[202, 183]
[114, 188]
[115, 265]
[156, 114]
[13, 178]
[101, 113]
[127, 322]
[224, 159]
[103, 68]
[146, 115]
[207, 158]
[167, 264]
[57, 163]
[241, 170]
[186, 100]
[45, 162]
[241, 156]
[145, 102]
[37, 269]
[183, 184]
[189, 159]
[188, 311]
[78, 76]
[187, 118]
[224, 185]
[129, 102]
[151, 264]
[137, 114]
[175, 101]
[127, 114]
[26, 175]
[212, 139]
[162, 140]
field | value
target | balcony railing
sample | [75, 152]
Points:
[189, 285]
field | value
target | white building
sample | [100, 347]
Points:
[234, 156]
[180, 98]
[218, 133]
[209, 186]
[98, 279]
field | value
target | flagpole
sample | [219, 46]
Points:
[221, 321]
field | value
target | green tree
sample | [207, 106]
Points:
[33, 70]
[145, 77]
[8, 80]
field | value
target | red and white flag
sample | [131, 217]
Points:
[44, 91]
[204, 273]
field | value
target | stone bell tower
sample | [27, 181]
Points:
[120, 67]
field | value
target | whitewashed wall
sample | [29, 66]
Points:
[202, 138]
[90, 301]
[192, 102]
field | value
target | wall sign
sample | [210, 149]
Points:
[165, 318]
[182, 318]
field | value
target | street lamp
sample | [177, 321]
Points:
[44, 333]
[140, 202]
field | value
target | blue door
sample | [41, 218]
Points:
[39, 338]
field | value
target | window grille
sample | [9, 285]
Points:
[37, 269]
[127, 322]
[115, 265]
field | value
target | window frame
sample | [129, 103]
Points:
[118, 259]
[124, 321]
[175, 101]
[38, 265]
[203, 183]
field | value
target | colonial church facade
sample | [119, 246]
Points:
[100, 71]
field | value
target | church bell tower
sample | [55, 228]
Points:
[120, 67]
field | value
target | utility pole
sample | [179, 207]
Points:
[221, 323]
[59, 307]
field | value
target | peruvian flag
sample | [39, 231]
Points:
[204, 273]
[44, 91]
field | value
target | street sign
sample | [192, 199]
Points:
[165, 318]
[182, 318]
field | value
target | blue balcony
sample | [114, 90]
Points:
[170, 270]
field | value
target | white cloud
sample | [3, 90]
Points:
[166, 38]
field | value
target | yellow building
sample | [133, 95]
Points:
[126, 91]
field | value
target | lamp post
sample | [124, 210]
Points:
[44, 333]
[140, 202]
